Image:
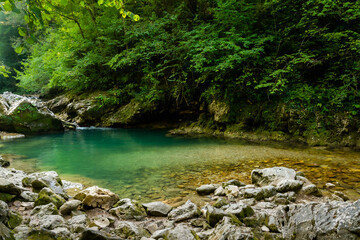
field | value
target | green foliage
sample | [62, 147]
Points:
[302, 53]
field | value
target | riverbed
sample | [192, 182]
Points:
[149, 165]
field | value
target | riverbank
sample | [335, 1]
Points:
[39, 205]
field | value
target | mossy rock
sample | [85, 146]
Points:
[6, 197]
[15, 219]
[46, 196]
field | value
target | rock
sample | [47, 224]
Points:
[71, 185]
[200, 223]
[180, 232]
[6, 197]
[256, 193]
[15, 219]
[46, 195]
[4, 163]
[5, 233]
[90, 234]
[128, 209]
[323, 221]
[25, 115]
[48, 179]
[29, 196]
[341, 195]
[187, 211]
[97, 197]
[290, 196]
[265, 229]
[131, 113]
[13, 176]
[233, 182]
[226, 229]
[101, 222]
[158, 209]
[46, 221]
[130, 230]
[61, 233]
[206, 189]
[42, 210]
[213, 215]
[8, 187]
[4, 211]
[232, 190]
[160, 234]
[6, 135]
[329, 185]
[69, 206]
[219, 110]
[79, 219]
[311, 190]
[239, 210]
[289, 185]
[221, 202]
[220, 191]
[272, 176]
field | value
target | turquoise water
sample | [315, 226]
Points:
[148, 165]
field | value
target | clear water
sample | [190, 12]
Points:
[148, 165]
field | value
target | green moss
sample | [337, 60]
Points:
[6, 197]
[47, 196]
[15, 219]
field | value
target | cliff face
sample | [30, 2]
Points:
[266, 121]
[25, 115]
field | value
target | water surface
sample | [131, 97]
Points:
[148, 165]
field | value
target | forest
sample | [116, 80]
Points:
[301, 54]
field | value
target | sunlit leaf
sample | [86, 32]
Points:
[7, 6]
[136, 18]
[100, 2]
[22, 31]
[19, 49]
[27, 18]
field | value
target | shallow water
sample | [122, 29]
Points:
[148, 165]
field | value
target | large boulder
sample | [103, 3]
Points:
[48, 179]
[26, 115]
[335, 220]
[273, 176]
[97, 197]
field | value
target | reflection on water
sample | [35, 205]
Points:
[148, 165]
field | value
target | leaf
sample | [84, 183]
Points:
[82, 3]
[7, 6]
[19, 49]
[100, 2]
[27, 18]
[136, 18]
[30, 40]
[22, 31]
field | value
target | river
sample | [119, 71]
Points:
[149, 165]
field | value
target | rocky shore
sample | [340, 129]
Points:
[279, 204]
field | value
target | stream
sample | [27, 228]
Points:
[149, 165]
